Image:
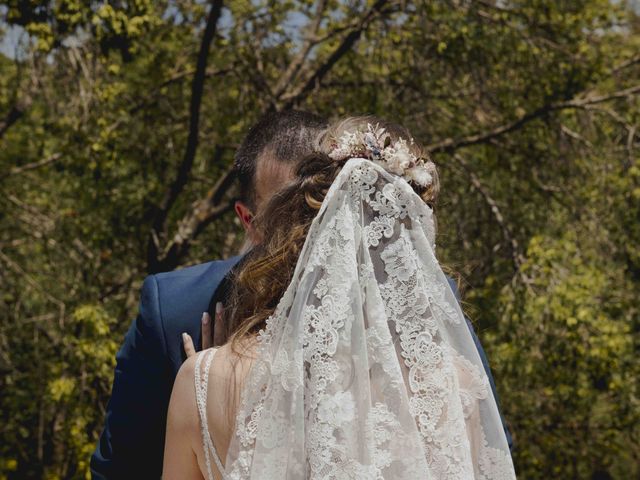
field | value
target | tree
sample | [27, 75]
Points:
[118, 123]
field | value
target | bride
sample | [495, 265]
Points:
[347, 354]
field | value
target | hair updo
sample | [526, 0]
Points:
[264, 273]
[328, 139]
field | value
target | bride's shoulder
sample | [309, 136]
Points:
[232, 361]
[182, 416]
[228, 366]
[227, 359]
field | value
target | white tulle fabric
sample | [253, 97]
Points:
[367, 369]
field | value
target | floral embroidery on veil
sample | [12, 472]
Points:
[366, 369]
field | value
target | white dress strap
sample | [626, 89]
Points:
[202, 383]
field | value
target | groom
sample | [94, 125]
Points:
[132, 442]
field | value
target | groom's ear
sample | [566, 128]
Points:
[244, 214]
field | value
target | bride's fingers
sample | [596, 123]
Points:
[187, 342]
[218, 327]
[207, 341]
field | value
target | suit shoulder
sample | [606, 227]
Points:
[182, 296]
[189, 271]
[199, 270]
[195, 280]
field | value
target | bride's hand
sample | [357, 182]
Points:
[207, 335]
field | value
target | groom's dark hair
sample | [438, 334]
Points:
[287, 136]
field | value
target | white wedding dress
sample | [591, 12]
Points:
[366, 369]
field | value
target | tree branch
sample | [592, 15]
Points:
[348, 42]
[31, 166]
[151, 98]
[311, 41]
[31, 281]
[204, 211]
[197, 88]
[632, 61]
[12, 117]
[516, 256]
[452, 144]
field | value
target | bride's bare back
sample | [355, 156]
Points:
[185, 456]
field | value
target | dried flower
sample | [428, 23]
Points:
[375, 144]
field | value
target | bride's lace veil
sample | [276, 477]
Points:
[367, 369]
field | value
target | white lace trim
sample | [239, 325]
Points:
[202, 385]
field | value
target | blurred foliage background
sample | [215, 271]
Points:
[118, 123]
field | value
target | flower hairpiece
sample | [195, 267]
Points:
[375, 144]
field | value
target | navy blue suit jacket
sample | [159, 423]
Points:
[132, 442]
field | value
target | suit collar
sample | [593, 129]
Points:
[223, 289]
